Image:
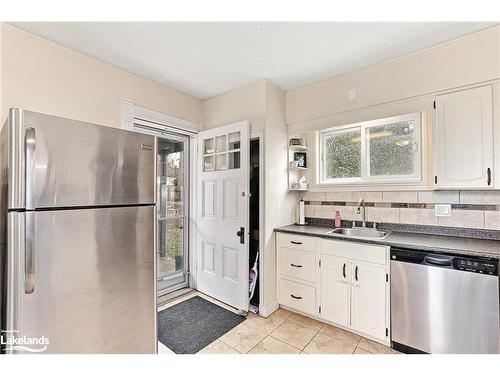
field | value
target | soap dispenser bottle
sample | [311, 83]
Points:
[338, 219]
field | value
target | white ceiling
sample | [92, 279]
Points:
[208, 59]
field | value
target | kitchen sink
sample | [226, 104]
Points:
[359, 233]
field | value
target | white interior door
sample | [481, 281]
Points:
[222, 243]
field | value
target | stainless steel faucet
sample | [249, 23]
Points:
[361, 203]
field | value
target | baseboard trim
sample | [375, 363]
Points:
[267, 310]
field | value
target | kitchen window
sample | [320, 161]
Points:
[379, 151]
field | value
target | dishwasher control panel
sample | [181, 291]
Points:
[475, 265]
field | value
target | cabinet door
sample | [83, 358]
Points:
[369, 299]
[335, 289]
[464, 139]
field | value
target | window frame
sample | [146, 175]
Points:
[365, 179]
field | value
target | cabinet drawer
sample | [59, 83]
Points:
[355, 250]
[297, 264]
[297, 296]
[294, 241]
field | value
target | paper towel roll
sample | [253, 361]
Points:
[302, 216]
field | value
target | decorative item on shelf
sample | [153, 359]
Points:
[297, 142]
[294, 164]
[301, 185]
[301, 159]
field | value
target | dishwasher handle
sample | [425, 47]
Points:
[438, 260]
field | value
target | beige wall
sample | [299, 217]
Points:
[469, 60]
[246, 103]
[43, 76]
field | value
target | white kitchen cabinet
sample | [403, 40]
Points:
[335, 290]
[298, 296]
[463, 145]
[344, 283]
[297, 264]
[369, 299]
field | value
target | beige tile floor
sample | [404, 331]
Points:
[285, 332]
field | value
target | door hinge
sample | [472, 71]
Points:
[434, 105]
[320, 309]
[386, 277]
[387, 332]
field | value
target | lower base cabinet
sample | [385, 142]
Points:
[351, 290]
[353, 294]
[368, 301]
[297, 296]
[335, 290]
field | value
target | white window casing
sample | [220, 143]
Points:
[365, 177]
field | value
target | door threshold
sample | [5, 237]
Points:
[172, 298]
[221, 304]
[182, 295]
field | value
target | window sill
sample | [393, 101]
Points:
[373, 186]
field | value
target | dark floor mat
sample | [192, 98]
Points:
[189, 326]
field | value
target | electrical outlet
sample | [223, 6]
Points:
[352, 94]
[442, 210]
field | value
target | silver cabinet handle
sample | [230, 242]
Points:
[29, 149]
[29, 260]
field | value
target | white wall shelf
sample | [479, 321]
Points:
[295, 173]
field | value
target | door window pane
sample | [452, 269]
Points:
[208, 146]
[170, 177]
[234, 160]
[391, 149]
[170, 256]
[208, 164]
[221, 162]
[234, 141]
[171, 209]
[343, 154]
[221, 143]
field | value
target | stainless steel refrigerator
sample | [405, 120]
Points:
[77, 237]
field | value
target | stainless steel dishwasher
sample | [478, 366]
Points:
[444, 303]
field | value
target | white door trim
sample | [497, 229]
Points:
[260, 137]
[157, 123]
[133, 114]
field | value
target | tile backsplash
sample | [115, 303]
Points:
[470, 209]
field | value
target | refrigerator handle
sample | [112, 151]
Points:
[29, 257]
[29, 228]
[30, 144]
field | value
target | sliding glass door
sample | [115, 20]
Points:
[172, 211]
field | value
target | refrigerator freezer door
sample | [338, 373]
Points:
[71, 163]
[94, 288]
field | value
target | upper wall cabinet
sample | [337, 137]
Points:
[463, 147]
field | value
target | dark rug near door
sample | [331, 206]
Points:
[189, 326]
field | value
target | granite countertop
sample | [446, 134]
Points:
[416, 241]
